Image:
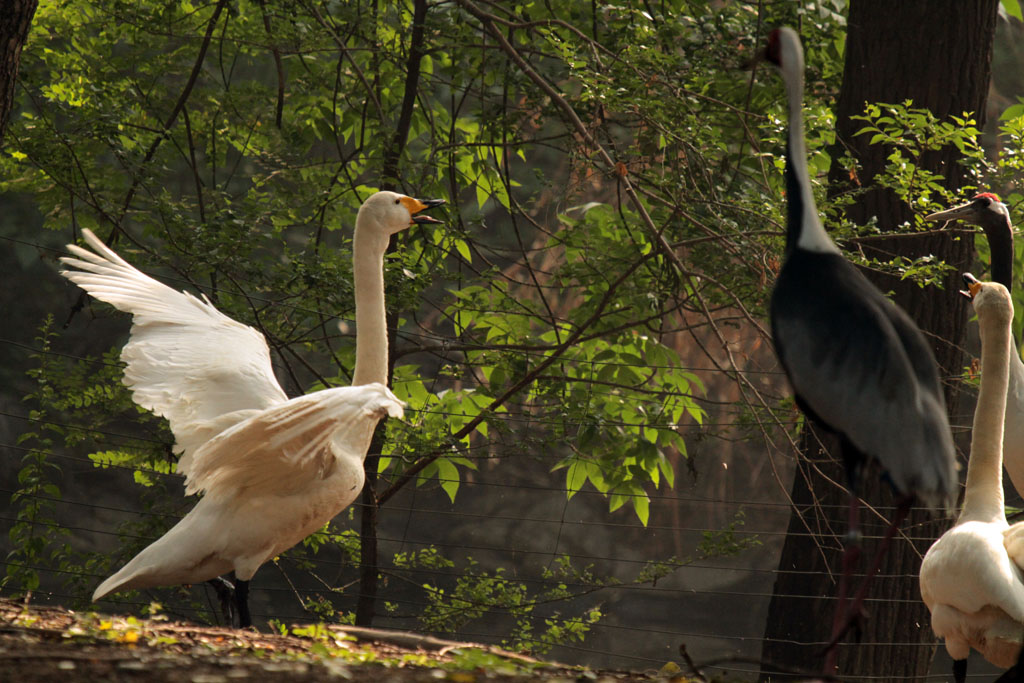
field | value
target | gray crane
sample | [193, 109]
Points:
[858, 365]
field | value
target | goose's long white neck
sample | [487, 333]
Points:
[368, 247]
[811, 234]
[983, 500]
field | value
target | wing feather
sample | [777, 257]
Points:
[288, 447]
[186, 361]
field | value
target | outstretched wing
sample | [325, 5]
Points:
[186, 361]
[283, 450]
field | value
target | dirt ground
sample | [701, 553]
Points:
[45, 644]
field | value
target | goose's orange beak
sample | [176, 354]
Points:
[416, 205]
[973, 286]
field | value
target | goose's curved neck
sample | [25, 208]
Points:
[804, 228]
[368, 247]
[983, 500]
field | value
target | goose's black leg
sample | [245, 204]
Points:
[227, 596]
[959, 670]
[242, 603]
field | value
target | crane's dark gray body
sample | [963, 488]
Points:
[861, 368]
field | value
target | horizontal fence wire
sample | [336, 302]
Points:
[619, 627]
[421, 575]
[699, 600]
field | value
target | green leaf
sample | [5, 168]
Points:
[641, 505]
[575, 478]
[448, 473]
[463, 249]
[1012, 8]
[1012, 112]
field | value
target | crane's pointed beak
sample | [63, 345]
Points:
[964, 211]
[973, 286]
[417, 205]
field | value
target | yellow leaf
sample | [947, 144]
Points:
[670, 668]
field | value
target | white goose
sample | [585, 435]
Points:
[970, 578]
[272, 470]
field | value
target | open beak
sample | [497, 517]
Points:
[973, 286]
[965, 211]
[416, 205]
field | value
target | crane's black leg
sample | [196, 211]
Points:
[242, 603]
[959, 670]
[851, 553]
[226, 595]
[845, 621]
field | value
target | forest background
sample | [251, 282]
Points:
[598, 458]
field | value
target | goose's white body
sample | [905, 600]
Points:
[971, 578]
[975, 593]
[269, 482]
[271, 470]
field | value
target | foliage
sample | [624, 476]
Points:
[614, 217]
[37, 539]
[478, 593]
[909, 132]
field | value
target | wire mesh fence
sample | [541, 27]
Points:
[597, 298]
[527, 556]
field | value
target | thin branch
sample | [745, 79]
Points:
[276, 52]
[171, 118]
[389, 168]
[528, 377]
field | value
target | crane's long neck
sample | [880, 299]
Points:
[1000, 244]
[983, 500]
[803, 228]
[368, 247]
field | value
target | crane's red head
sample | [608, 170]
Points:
[984, 209]
[784, 51]
[773, 51]
[990, 201]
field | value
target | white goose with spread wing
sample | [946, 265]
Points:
[271, 470]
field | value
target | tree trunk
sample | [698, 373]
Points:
[937, 54]
[15, 20]
[369, 568]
